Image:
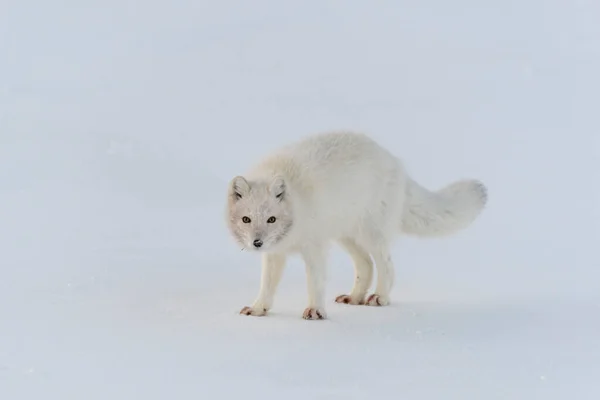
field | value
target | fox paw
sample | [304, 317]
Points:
[377, 300]
[256, 312]
[347, 299]
[313, 313]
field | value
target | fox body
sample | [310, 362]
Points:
[338, 187]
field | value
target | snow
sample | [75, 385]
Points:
[121, 123]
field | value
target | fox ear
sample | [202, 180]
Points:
[238, 187]
[278, 188]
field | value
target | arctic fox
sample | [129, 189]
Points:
[338, 187]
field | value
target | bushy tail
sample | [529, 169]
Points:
[443, 212]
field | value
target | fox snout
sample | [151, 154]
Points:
[257, 243]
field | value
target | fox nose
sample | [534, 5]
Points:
[257, 243]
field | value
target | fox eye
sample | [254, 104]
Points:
[246, 220]
[271, 220]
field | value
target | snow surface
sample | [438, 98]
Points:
[121, 123]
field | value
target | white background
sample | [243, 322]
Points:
[121, 123]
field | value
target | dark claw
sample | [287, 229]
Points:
[246, 311]
[374, 297]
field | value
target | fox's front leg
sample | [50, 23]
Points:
[272, 269]
[316, 276]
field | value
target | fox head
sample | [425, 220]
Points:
[259, 213]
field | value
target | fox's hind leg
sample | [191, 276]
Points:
[377, 238]
[385, 276]
[363, 272]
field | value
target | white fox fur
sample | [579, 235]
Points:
[338, 187]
